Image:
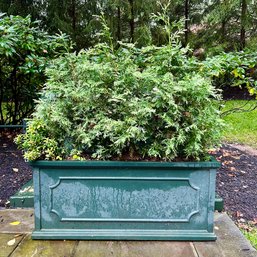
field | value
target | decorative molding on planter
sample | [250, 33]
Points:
[166, 179]
[197, 235]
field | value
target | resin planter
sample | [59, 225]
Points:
[107, 200]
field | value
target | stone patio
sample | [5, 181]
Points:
[230, 242]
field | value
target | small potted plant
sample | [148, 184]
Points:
[118, 144]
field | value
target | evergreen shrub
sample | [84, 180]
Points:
[124, 104]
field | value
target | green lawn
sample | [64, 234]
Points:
[241, 126]
[251, 236]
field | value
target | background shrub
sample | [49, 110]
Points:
[232, 70]
[25, 51]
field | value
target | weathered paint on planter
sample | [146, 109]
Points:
[24, 198]
[103, 200]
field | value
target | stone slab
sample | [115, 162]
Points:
[134, 249]
[230, 239]
[160, 249]
[208, 249]
[230, 242]
[25, 217]
[29, 248]
[5, 249]
[98, 249]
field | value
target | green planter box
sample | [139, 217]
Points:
[106, 200]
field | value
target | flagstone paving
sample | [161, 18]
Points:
[15, 241]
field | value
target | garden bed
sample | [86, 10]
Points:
[236, 183]
[14, 171]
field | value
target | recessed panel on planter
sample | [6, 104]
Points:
[124, 199]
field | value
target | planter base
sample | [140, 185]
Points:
[124, 235]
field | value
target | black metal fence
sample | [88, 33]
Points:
[22, 126]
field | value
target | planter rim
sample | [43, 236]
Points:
[213, 163]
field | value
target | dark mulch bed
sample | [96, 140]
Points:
[237, 183]
[14, 171]
[236, 93]
[236, 179]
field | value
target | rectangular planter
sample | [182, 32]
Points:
[109, 200]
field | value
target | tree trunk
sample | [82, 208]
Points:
[118, 24]
[223, 31]
[15, 94]
[73, 15]
[1, 103]
[243, 23]
[131, 20]
[186, 10]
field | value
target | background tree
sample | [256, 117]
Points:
[25, 51]
[214, 25]
[211, 27]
